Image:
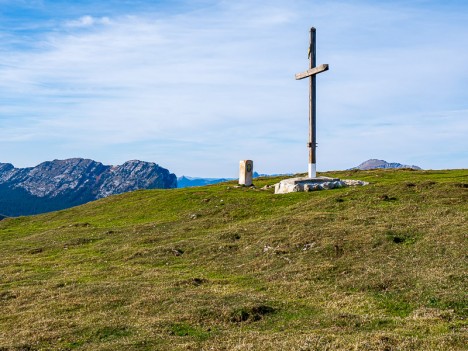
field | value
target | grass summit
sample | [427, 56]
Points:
[380, 267]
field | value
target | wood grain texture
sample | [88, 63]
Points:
[312, 71]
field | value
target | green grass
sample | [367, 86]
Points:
[380, 267]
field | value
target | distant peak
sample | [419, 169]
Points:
[4, 167]
[374, 163]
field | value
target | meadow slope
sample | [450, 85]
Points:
[380, 267]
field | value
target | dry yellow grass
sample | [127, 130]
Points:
[381, 267]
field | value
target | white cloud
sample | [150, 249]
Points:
[198, 90]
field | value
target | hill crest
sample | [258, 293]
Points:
[380, 267]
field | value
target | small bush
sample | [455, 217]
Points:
[406, 238]
[251, 314]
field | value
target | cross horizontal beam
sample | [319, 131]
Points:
[312, 71]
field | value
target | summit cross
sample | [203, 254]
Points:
[311, 73]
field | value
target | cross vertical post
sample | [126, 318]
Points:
[311, 73]
[312, 110]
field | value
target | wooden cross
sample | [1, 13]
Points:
[312, 72]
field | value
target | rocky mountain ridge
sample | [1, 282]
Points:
[375, 163]
[59, 184]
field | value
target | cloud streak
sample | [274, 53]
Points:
[87, 21]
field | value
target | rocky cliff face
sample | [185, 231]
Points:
[59, 184]
[374, 163]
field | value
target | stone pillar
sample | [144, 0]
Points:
[245, 172]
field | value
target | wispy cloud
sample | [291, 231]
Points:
[87, 21]
[200, 87]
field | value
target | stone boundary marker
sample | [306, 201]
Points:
[245, 172]
[293, 185]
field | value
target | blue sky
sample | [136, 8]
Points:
[198, 85]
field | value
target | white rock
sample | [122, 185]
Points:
[312, 184]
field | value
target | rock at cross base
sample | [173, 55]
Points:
[305, 184]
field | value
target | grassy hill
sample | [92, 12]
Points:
[381, 267]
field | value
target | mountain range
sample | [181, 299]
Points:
[59, 184]
[187, 182]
